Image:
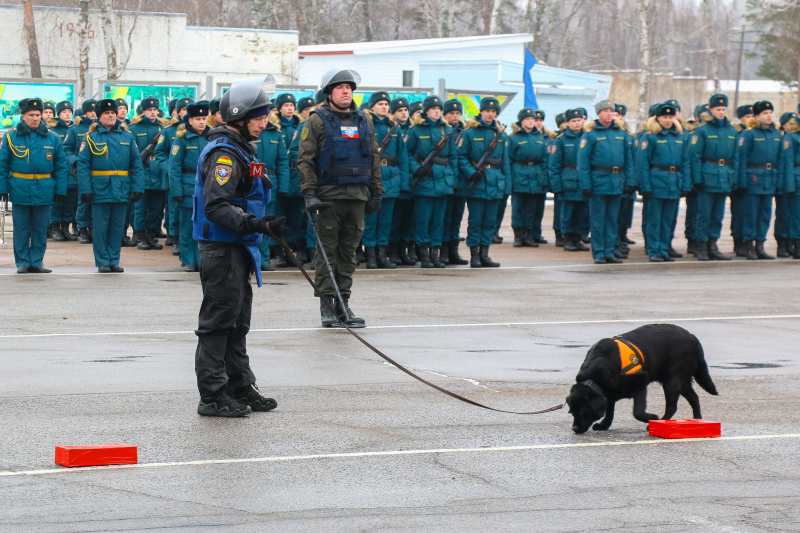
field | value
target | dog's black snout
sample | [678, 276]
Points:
[577, 429]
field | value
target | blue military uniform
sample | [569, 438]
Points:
[62, 212]
[76, 135]
[271, 150]
[563, 176]
[431, 190]
[792, 188]
[605, 166]
[402, 231]
[761, 175]
[33, 170]
[163, 150]
[527, 152]
[182, 173]
[294, 181]
[664, 175]
[785, 197]
[714, 176]
[484, 192]
[110, 174]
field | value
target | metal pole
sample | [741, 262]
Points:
[739, 71]
[3, 209]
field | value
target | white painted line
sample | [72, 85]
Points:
[390, 453]
[424, 326]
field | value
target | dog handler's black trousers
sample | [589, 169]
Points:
[221, 357]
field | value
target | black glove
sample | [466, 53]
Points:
[647, 195]
[629, 189]
[87, 198]
[421, 172]
[684, 194]
[177, 199]
[277, 226]
[313, 204]
[3, 196]
[257, 225]
[700, 187]
[477, 176]
[587, 193]
[135, 196]
[372, 205]
[60, 197]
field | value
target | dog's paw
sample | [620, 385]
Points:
[600, 427]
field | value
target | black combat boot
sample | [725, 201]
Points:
[475, 257]
[537, 239]
[49, 231]
[625, 239]
[65, 231]
[790, 247]
[280, 257]
[252, 396]
[142, 240]
[782, 252]
[672, 252]
[221, 404]
[58, 235]
[425, 256]
[741, 248]
[360, 257]
[518, 237]
[527, 241]
[561, 239]
[402, 254]
[750, 246]
[486, 261]
[444, 253]
[170, 240]
[576, 240]
[570, 240]
[456, 259]
[496, 238]
[372, 261]
[344, 313]
[412, 252]
[302, 253]
[84, 236]
[437, 262]
[127, 242]
[383, 260]
[158, 233]
[796, 252]
[312, 257]
[701, 251]
[151, 237]
[394, 257]
[760, 253]
[328, 318]
[691, 246]
[714, 253]
[74, 230]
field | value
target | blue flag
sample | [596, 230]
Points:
[530, 94]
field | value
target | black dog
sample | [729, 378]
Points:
[623, 366]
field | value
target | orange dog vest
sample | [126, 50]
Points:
[630, 356]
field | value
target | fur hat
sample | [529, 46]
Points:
[622, 109]
[304, 103]
[183, 102]
[453, 105]
[490, 102]
[149, 103]
[197, 109]
[49, 105]
[107, 104]
[89, 105]
[743, 110]
[718, 100]
[675, 103]
[285, 98]
[379, 96]
[397, 103]
[65, 104]
[122, 102]
[413, 107]
[666, 110]
[526, 113]
[604, 104]
[786, 117]
[761, 106]
[31, 104]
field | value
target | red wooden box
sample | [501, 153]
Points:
[105, 454]
[683, 429]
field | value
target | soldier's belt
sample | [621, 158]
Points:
[30, 176]
[389, 161]
[797, 165]
[719, 162]
[435, 160]
[490, 162]
[612, 170]
[765, 166]
[671, 170]
[109, 172]
[527, 163]
[570, 167]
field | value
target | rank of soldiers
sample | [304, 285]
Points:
[90, 175]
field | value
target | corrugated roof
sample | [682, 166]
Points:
[378, 47]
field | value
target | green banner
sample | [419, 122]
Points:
[134, 94]
[12, 93]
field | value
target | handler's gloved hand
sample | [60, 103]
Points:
[277, 226]
[314, 204]
[647, 195]
[373, 204]
[88, 197]
[629, 189]
[700, 187]
[587, 193]
[136, 196]
[59, 197]
[257, 225]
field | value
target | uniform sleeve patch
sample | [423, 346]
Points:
[694, 139]
[741, 141]
[304, 135]
[83, 145]
[785, 144]
[175, 149]
[294, 135]
[224, 161]
[644, 145]
[553, 148]
[583, 143]
[160, 139]
[222, 174]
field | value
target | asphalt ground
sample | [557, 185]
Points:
[355, 444]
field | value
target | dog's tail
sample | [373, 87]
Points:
[701, 375]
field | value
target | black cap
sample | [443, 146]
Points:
[183, 102]
[526, 113]
[453, 105]
[89, 105]
[49, 105]
[743, 110]
[305, 103]
[763, 105]
[666, 110]
[413, 107]
[432, 101]
[107, 104]
[31, 104]
[149, 103]
[171, 105]
[122, 102]
[569, 114]
[490, 103]
[198, 109]
[718, 100]
[397, 103]
[379, 96]
[65, 104]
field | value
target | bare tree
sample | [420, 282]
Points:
[644, 50]
[107, 12]
[83, 44]
[33, 46]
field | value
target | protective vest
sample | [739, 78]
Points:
[630, 356]
[254, 202]
[347, 156]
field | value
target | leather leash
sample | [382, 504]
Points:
[388, 359]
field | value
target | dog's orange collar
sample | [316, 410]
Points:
[631, 358]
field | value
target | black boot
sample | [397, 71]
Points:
[714, 253]
[176, 248]
[65, 231]
[701, 251]
[383, 261]
[158, 233]
[412, 252]
[393, 253]
[760, 253]
[672, 252]
[143, 243]
[475, 257]
[372, 261]
[625, 239]
[561, 239]
[576, 240]
[402, 251]
[527, 240]
[302, 254]
[221, 404]
[74, 230]
[344, 313]
[486, 261]
[796, 252]
[435, 259]
[456, 259]
[425, 256]
[170, 240]
[444, 252]
[49, 231]
[84, 236]
[750, 246]
[312, 258]
[518, 237]
[691, 246]
[740, 248]
[570, 242]
[151, 237]
[496, 238]
[127, 242]
[360, 257]
[327, 316]
[537, 239]
[252, 396]
[781, 246]
[58, 235]
[280, 257]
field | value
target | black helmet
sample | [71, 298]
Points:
[337, 76]
[245, 96]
